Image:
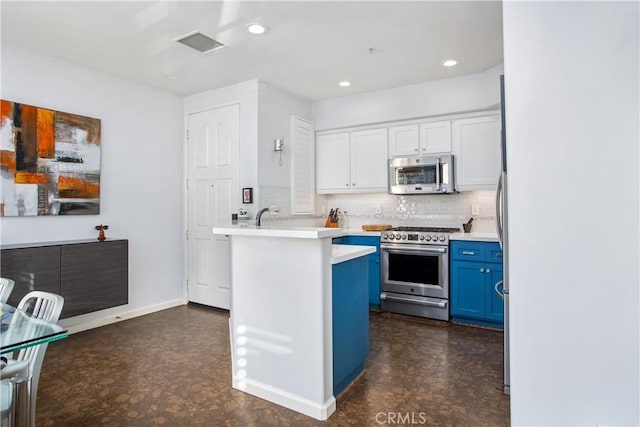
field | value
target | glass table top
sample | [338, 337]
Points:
[19, 330]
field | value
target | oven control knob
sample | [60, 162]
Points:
[397, 237]
[434, 238]
[442, 238]
[421, 237]
[385, 236]
[427, 238]
[404, 237]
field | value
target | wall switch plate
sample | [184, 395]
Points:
[475, 208]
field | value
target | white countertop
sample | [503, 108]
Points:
[342, 253]
[286, 232]
[478, 237]
[359, 232]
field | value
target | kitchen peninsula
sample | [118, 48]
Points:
[299, 308]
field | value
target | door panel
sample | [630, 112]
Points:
[495, 305]
[213, 193]
[468, 289]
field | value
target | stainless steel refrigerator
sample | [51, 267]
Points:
[502, 288]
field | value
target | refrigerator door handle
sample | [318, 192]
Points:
[499, 210]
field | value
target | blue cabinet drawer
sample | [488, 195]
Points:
[467, 251]
[494, 253]
[476, 251]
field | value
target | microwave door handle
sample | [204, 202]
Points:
[438, 183]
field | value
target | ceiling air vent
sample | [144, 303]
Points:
[198, 41]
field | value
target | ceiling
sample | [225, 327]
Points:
[309, 48]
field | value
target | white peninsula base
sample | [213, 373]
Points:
[281, 322]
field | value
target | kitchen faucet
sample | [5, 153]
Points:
[263, 210]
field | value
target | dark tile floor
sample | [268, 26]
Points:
[173, 368]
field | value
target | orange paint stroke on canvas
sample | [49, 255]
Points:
[46, 134]
[8, 160]
[6, 110]
[30, 178]
[77, 188]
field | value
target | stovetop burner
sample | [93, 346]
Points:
[427, 229]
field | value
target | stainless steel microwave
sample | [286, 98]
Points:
[421, 175]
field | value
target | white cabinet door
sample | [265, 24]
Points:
[333, 163]
[476, 149]
[302, 167]
[403, 141]
[369, 160]
[435, 137]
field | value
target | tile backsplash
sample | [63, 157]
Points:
[451, 210]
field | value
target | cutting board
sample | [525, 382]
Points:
[376, 227]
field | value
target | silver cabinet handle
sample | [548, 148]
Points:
[496, 288]
[482, 270]
[415, 149]
[353, 185]
[488, 271]
[347, 184]
[468, 253]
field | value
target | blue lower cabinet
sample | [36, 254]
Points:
[494, 304]
[467, 289]
[374, 265]
[350, 316]
[473, 280]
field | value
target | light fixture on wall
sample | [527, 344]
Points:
[278, 146]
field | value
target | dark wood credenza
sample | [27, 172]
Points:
[89, 275]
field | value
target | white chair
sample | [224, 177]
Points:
[28, 361]
[6, 286]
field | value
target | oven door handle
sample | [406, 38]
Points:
[399, 250]
[387, 297]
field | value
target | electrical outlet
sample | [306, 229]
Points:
[323, 211]
[379, 210]
[475, 208]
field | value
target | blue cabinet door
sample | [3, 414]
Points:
[374, 265]
[350, 315]
[468, 289]
[374, 280]
[494, 304]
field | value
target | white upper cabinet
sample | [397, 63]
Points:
[435, 137]
[476, 149]
[369, 160]
[420, 139]
[333, 163]
[404, 141]
[352, 162]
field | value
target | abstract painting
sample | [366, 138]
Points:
[49, 162]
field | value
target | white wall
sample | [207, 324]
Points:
[572, 90]
[456, 95]
[141, 192]
[245, 94]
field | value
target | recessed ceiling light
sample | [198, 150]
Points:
[449, 62]
[344, 84]
[256, 28]
[170, 77]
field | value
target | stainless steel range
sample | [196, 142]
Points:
[414, 269]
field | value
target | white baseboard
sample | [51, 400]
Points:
[319, 411]
[80, 326]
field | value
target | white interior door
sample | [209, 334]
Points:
[213, 193]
